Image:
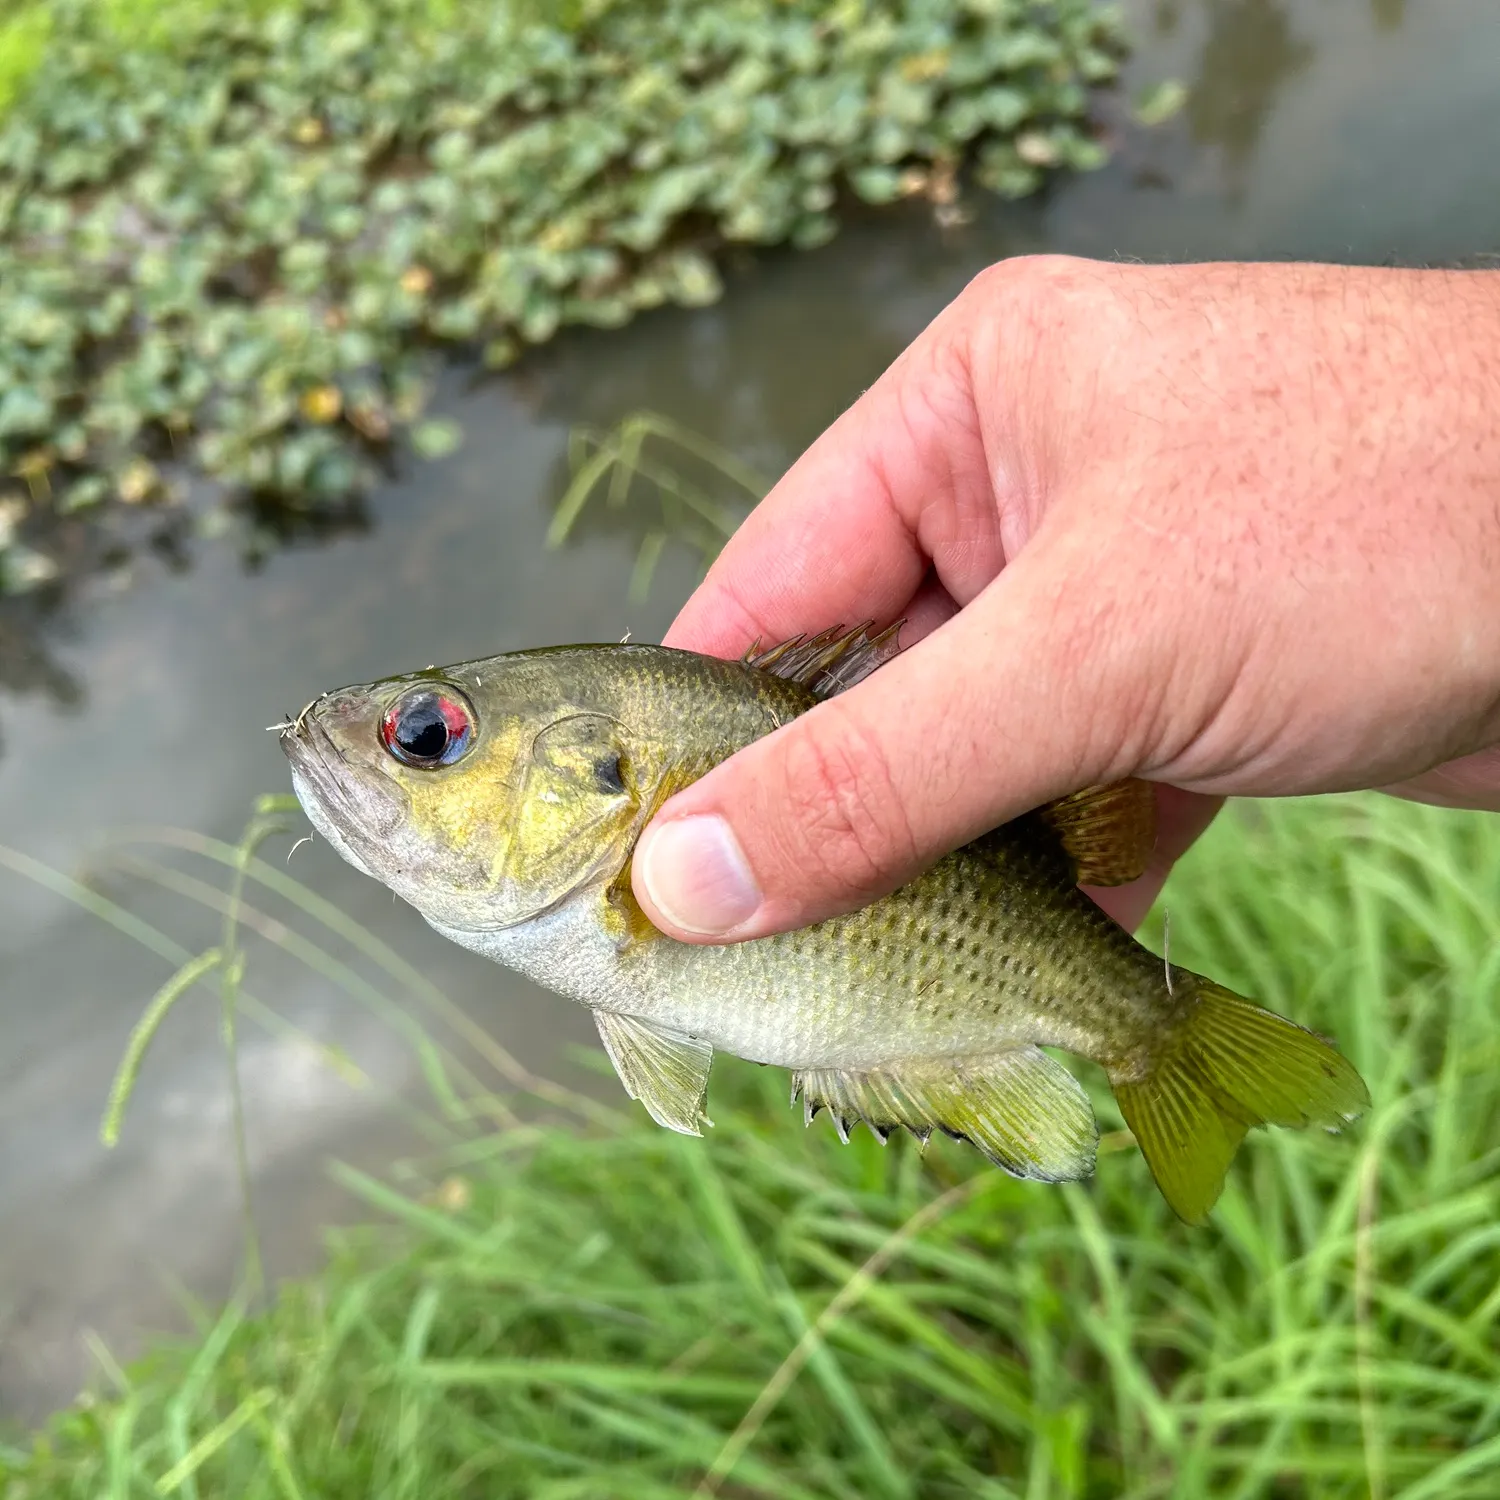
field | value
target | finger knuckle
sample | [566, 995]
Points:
[852, 830]
[1031, 281]
[1044, 304]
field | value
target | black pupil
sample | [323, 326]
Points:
[422, 731]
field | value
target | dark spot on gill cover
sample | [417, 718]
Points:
[611, 774]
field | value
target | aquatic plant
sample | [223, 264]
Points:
[602, 1309]
[670, 484]
[231, 237]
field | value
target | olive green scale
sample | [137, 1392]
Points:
[995, 943]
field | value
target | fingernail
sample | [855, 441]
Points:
[696, 874]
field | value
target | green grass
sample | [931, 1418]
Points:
[663, 481]
[606, 1310]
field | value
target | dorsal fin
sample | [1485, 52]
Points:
[831, 661]
[1108, 831]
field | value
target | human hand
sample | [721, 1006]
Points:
[1231, 528]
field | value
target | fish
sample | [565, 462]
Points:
[503, 798]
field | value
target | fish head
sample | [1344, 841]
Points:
[480, 794]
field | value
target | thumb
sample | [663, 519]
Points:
[1031, 692]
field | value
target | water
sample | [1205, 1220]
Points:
[1358, 130]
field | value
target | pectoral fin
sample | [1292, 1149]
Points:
[1023, 1109]
[666, 1070]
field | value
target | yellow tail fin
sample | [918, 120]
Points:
[1229, 1067]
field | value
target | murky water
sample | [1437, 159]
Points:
[1329, 129]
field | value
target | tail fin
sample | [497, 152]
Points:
[1229, 1067]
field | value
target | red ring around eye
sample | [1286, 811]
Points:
[427, 728]
[455, 716]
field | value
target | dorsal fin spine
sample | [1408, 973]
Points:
[830, 662]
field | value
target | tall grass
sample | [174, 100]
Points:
[662, 479]
[605, 1310]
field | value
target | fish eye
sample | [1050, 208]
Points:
[427, 727]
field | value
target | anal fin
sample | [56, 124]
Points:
[1107, 831]
[665, 1069]
[1022, 1108]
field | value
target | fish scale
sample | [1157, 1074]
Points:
[503, 799]
[886, 982]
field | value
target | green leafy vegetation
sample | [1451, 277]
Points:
[233, 237]
[596, 1308]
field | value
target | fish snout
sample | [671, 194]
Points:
[335, 753]
[338, 718]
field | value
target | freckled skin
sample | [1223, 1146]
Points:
[520, 851]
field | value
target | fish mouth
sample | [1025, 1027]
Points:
[322, 767]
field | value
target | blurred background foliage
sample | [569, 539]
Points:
[232, 236]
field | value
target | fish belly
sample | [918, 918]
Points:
[923, 974]
[806, 999]
[815, 999]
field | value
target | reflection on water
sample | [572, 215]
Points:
[29, 664]
[1249, 57]
[1389, 14]
[1313, 132]
[271, 526]
[133, 553]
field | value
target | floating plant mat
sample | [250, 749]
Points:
[231, 238]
